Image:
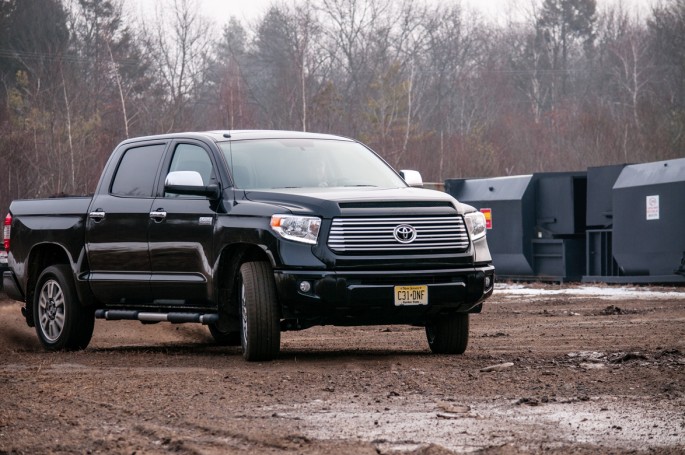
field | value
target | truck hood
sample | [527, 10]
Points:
[359, 201]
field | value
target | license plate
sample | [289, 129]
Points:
[411, 295]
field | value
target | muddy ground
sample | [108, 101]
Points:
[584, 371]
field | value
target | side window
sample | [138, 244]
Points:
[188, 157]
[136, 173]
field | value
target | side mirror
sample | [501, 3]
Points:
[189, 183]
[412, 178]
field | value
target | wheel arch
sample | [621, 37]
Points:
[41, 257]
[228, 267]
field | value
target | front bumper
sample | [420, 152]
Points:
[368, 298]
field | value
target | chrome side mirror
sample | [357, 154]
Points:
[189, 183]
[412, 178]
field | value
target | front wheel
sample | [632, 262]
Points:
[62, 323]
[448, 334]
[261, 330]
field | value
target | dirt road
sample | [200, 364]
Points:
[574, 370]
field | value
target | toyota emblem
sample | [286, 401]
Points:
[404, 233]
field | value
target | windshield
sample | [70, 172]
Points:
[306, 163]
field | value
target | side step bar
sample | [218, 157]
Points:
[176, 318]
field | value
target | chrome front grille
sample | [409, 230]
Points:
[377, 235]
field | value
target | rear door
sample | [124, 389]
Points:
[181, 233]
[117, 227]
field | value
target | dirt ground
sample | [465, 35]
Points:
[574, 370]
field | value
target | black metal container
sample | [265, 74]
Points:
[537, 222]
[511, 202]
[649, 220]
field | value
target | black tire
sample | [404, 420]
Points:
[62, 323]
[224, 337]
[260, 322]
[449, 334]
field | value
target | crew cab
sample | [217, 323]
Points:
[250, 233]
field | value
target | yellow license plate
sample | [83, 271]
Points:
[411, 295]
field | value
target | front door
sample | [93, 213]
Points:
[181, 235]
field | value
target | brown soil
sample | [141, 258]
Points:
[572, 374]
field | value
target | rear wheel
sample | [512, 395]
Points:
[448, 334]
[62, 323]
[223, 336]
[261, 330]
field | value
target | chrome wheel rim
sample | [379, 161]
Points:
[51, 310]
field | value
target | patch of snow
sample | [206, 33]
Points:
[603, 292]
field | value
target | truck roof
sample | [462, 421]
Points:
[225, 135]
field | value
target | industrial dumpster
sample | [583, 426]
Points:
[649, 221]
[536, 222]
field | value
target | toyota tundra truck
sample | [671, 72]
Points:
[251, 233]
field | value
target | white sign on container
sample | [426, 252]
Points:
[653, 207]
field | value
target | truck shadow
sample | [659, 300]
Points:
[203, 350]
[314, 355]
[170, 349]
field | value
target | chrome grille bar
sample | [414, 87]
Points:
[377, 234]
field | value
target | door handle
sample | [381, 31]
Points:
[158, 215]
[97, 215]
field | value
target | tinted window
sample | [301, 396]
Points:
[137, 170]
[189, 157]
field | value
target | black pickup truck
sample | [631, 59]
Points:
[250, 233]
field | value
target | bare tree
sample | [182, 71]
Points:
[349, 26]
[179, 43]
[632, 73]
[227, 77]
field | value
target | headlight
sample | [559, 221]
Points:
[303, 229]
[475, 223]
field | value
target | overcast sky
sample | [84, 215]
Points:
[220, 11]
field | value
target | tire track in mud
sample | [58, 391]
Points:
[124, 425]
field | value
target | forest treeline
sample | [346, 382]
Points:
[432, 87]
